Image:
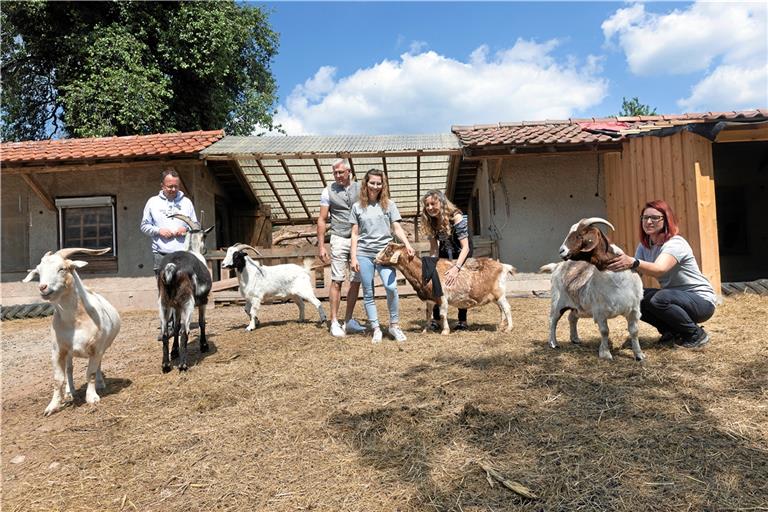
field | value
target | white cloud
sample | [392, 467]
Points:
[707, 38]
[427, 92]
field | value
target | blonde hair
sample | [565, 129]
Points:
[432, 226]
[383, 194]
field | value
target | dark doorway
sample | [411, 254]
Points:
[741, 186]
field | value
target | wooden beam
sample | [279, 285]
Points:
[39, 192]
[749, 133]
[46, 168]
[295, 188]
[274, 190]
[384, 163]
[339, 154]
[320, 171]
[351, 167]
[418, 198]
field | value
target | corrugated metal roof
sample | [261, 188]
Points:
[334, 145]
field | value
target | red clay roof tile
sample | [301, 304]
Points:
[156, 145]
[570, 132]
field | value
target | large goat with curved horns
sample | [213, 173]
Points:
[260, 283]
[84, 323]
[582, 285]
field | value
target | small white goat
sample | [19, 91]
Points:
[259, 283]
[582, 286]
[84, 323]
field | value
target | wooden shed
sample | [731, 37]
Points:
[712, 168]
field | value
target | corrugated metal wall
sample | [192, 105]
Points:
[678, 169]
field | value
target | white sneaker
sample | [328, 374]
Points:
[353, 327]
[397, 333]
[336, 330]
[376, 335]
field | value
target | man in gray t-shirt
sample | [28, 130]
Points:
[336, 202]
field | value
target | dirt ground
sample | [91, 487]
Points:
[289, 418]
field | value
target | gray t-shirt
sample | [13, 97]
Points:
[374, 226]
[685, 275]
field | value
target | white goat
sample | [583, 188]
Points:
[259, 283]
[582, 286]
[84, 323]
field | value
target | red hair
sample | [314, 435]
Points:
[670, 222]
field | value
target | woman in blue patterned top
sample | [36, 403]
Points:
[448, 234]
[374, 217]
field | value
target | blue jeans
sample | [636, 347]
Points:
[388, 279]
[674, 311]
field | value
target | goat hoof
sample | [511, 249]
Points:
[93, 399]
[166, 368]
[639, 357]
[553, 344]
[204, 347]
[174, 354]
[182, 367]
[607, 357]
[576, 342]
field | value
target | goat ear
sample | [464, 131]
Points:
[208, 230]
[589, 244]
[32, 275]
[78, 263]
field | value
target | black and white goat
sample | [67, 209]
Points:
[259, 283]
[84, 323]
[582, 285]
[183, 282]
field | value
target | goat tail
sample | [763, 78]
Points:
[548, 268]
[168, 273]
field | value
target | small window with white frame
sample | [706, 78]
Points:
[89, 222]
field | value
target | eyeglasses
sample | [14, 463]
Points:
[652, 218]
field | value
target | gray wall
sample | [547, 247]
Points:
[131, 187]
[536, 202]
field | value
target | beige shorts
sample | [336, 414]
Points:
[340, 260]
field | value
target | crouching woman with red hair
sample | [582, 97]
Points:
[686, 297]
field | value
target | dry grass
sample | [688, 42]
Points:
[289, 418]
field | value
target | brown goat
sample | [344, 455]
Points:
[480, 281]
[585, 242]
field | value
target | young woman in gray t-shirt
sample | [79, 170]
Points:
[686, 297]
[374, 217]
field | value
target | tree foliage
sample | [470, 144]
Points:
[633, 107]
[93, 69]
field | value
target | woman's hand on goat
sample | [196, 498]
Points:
[451, 275]
[620, 263]
[409, 250]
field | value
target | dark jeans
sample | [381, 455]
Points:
[674, 311]
[462, 314]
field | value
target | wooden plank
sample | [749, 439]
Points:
[39, 192]
[352, 167]
[657, 168]
[692, 232]
[274, 190]
[295, 188]
[749, 133]
[679, 207]
[707, 207]
[46, 168]
[384, 163]
[668, 187]
[320, 171]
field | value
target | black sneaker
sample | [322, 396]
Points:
[699, 339]
[667, 338]
[461, 326]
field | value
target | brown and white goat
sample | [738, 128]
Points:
[84, 323]
[480, 281]
[582, 286]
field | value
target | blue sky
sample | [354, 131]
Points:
[420, 67]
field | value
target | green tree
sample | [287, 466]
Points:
[92, 69]
[633, 107]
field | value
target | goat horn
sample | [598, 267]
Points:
[595, 220]
[69, 251]
[247, 248]
[191, 223]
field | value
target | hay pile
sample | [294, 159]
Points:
[289, 418]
